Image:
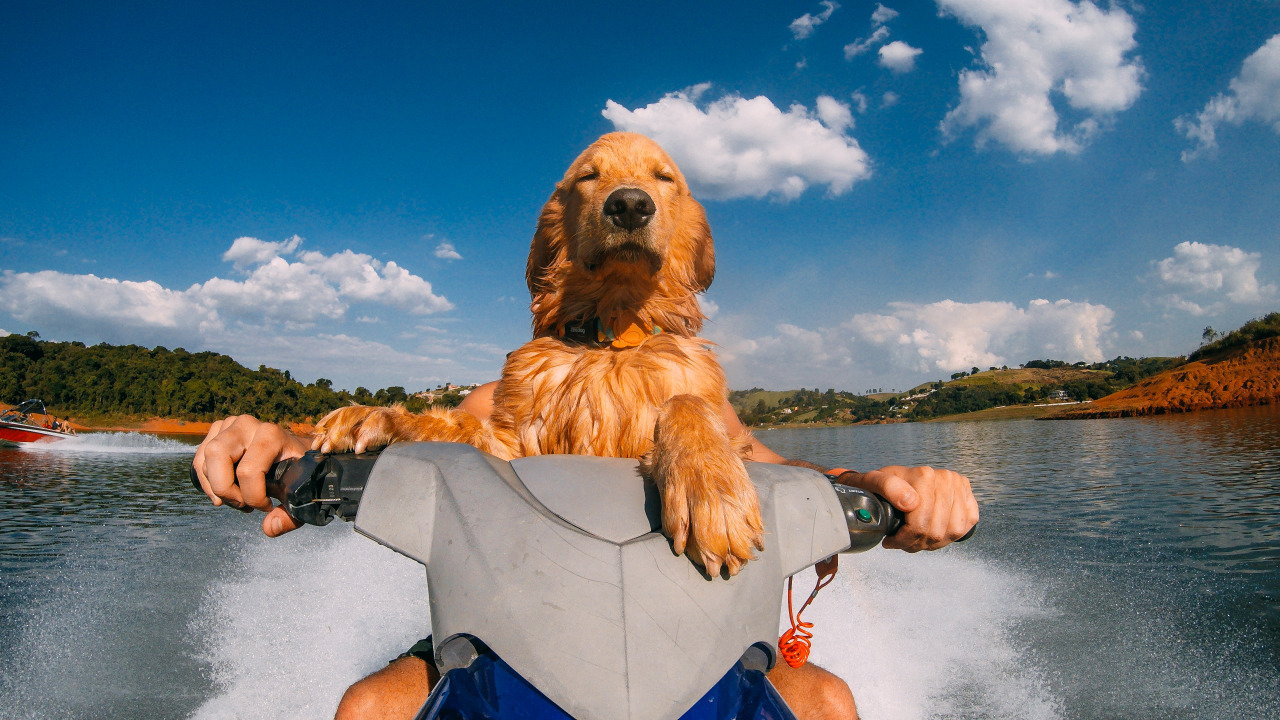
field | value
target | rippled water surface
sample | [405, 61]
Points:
[1123, 569]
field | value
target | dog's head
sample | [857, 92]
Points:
[621, 232]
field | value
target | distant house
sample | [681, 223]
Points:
[1058, 395]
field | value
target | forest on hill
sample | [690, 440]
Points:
[105, 380]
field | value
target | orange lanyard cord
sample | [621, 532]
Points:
[796, 642]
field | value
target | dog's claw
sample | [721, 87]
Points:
[733, 564]
[712, 564]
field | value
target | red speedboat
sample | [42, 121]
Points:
[20, 426]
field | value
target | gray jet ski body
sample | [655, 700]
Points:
[558, 564]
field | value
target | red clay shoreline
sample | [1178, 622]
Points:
[172, 426]
[1243, 377]
[158, 425]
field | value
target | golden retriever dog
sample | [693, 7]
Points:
[615, 368]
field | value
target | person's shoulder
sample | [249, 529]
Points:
[479, 402]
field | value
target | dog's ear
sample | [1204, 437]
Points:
[697, 241]
[548, 246]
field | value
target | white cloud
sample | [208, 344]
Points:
[316, 286]
[882, 15]
[879, 17]
[860, 47]
[859, 101]
[1036, 51]
[908, 342]
[1211, 272]
[899, 56]
[249, 251]
[710, 308]
[889, 99]
[1254, 95]
[834, 114]
[740, 147]
[446, 251]
[51, 299]
[274, 294]
[803, 26]
[948, 336]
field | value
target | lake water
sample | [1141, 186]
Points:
[1123, 569]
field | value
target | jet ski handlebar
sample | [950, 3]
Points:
[317, 488]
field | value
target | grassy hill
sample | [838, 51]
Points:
[1038, 382]
[1030, 377]
[769, 407]
[986, 391]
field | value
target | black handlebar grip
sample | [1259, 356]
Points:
[871, 518]
[275, 488]
[315, 488]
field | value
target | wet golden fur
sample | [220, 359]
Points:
[660, 401]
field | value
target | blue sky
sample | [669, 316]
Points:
[897, 191]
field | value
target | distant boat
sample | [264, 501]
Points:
[19, 427]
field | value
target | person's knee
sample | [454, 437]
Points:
[359, 702]
[814, 693]
[396, 691]
[836, 698]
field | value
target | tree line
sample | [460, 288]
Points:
[810, 406]
[104, 379]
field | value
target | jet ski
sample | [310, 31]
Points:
[553, 592]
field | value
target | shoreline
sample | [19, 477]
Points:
[171, 426]
[156, 425]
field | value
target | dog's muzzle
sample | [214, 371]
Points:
[629, 208]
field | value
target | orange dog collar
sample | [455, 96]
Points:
[631, 334]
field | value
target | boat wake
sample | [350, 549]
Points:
[930, 636]
[282, 648]
[115, 442]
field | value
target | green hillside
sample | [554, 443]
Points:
[128, 380]
[1038, 381]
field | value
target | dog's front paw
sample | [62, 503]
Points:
[357, 428]
[711, 513]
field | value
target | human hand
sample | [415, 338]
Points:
[232, 464]
[938, 505]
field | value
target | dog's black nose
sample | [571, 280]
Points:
[629, 208]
